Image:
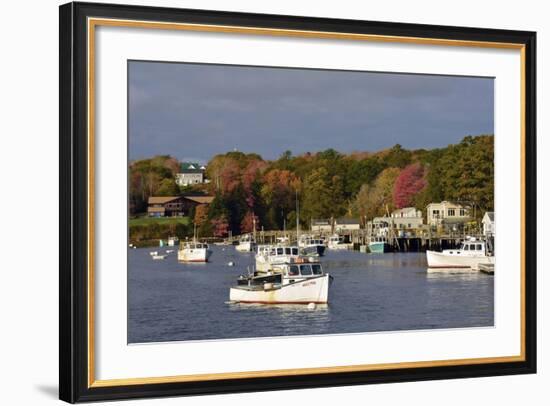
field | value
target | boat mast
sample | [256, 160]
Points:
[297, 217]
[254, 226]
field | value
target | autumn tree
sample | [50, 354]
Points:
[249, 223]
[220, 227]
[410, 182]
[201, 215]
[372, 200]
[167, 187]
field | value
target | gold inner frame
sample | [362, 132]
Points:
[94, 22]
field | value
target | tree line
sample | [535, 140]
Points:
[252, 191]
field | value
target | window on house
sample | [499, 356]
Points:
[435, 213]
[462, 212]
[451, 212]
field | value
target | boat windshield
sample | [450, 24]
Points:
[317, 270]
[293, 270]
[305, 270]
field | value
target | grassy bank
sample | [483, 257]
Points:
[145, 230]
[145, 221]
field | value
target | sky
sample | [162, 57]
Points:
[195, 111]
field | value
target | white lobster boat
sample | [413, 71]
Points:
[246, 244]
[173, 241]
[336, 242]
[269, 256]
[194, 252]
[310, 246]
[296, 283]
[471, 254]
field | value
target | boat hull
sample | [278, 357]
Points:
[311, 290]
[194, 255]
[245, 247]
[379, 247]
[439, 260]
[339, 247]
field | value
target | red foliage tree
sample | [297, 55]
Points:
[229, 176]
[408, 184]
[247, 225]
[220, 226]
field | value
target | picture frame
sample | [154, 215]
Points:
[77, 284]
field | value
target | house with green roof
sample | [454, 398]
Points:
[191, 173]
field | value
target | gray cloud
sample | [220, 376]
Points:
[198, 110]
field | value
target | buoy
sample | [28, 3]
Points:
[231, 263]
[311, 306]
[153, 253]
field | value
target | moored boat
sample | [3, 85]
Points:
[269, 256]
[246, 243]
[471, 254]
[173, 241]
[336, 242]
[310, 246]
[289, 283]
[194, 252]
[379, 245]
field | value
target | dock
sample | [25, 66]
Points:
[362, 237]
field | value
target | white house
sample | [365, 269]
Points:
[323, 226]
[446, 213]
[407, 218]
[488, 222]
[190, 174]
[346, 224]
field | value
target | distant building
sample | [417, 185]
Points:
[170, 206]
[488, 222]
[447, 214]
[190, 174]
[401, 222]
[407, 218]
[165, 206]
[344, 224]
[321, 226]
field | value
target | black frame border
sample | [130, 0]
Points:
[73, 195]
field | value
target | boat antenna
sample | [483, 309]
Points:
[297, 217]
[254, 226]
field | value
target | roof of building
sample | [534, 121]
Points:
[404, 209]
[320, 222]
[491, 215]
[191, 167]
[200, 199]
[347, 220]
[161, 199]
[446, 202]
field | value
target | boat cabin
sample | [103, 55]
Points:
[195, 246]
[311, 241]
[304, 270]
[274, 250]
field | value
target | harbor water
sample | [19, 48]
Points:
[171, 301]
